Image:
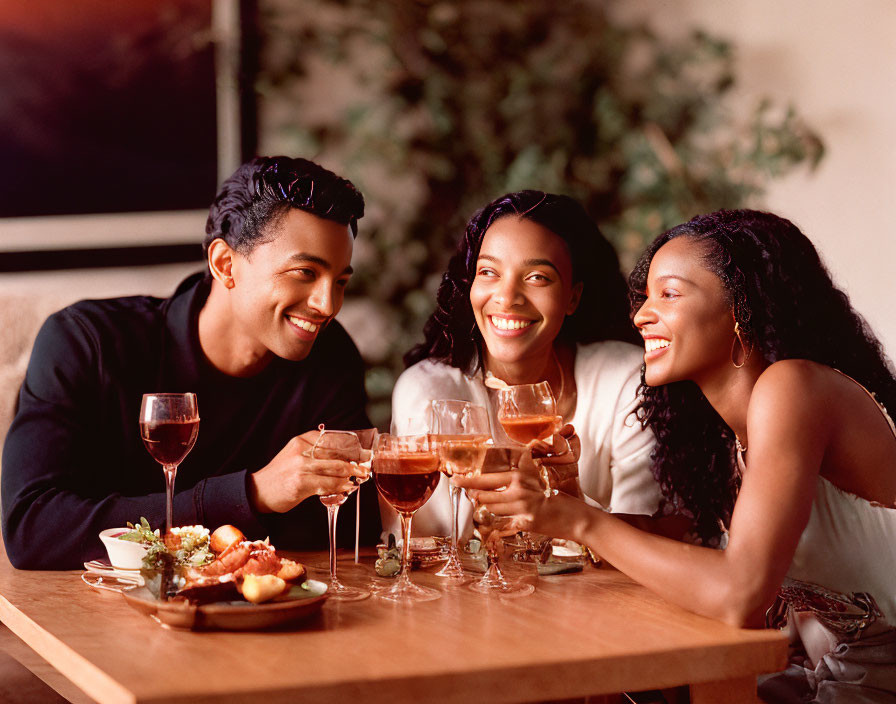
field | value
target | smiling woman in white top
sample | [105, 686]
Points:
[534, 293]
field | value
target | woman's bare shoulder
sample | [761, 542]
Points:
[795, 375]
[792, 391]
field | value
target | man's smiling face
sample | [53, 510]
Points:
[292, 284]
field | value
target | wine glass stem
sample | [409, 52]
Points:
[170, 472]
[493, 566]
[405, 578]
[357, 521]
[332, 512]
[455, 509]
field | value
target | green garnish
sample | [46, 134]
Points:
[142, 533]
[187, 545]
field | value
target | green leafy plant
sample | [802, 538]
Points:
[435, 108]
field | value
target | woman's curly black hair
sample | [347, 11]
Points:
[787, 307]
[451, 335]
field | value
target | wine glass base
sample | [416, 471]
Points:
[341, 592]
[506, 589]
[407, 592]
[453, 570]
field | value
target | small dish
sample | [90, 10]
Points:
[429, 551]
[301, 602]
[104, 568]
[110, 582]
[123, 554]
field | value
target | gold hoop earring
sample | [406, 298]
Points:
[746, 351]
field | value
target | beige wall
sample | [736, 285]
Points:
[836, 62]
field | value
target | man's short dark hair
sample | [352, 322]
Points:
[265, 188]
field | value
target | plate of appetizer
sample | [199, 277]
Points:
[223, 581]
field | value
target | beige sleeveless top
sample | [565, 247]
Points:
[849, 543]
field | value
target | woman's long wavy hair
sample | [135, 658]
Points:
[787, 307]
[451, 334]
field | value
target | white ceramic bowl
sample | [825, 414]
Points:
[123, 554]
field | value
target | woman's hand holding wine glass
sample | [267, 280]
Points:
[518, 492]
[497, 473]
[559, 461]
[528, 415]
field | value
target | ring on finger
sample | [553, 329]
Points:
[545, 476]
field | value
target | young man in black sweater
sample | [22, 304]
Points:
[254, 337]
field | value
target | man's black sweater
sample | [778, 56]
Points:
[74, 463]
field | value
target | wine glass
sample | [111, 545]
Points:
[498, 458]
[169, 424]
[406, 472]
[528, 412]
[340, 445]
[461, 430]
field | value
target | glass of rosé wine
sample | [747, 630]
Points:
[341, 445]
[460, 430]
[169, 424]
[406, 472]
[528, 412]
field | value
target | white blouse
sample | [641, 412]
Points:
[614, 467]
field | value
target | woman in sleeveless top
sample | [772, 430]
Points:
[771, 400]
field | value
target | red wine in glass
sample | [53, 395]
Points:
[169, 424]
[407, 480]
[169, 442]
[406, 472]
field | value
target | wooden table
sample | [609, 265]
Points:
[590, 633]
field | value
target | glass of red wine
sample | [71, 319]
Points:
[341, 445]
[169, 424]
[461, 430]
[406, 472]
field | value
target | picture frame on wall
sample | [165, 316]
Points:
[116, 122]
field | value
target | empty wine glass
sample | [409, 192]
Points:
[406, 472]
[461, 430]
[491, 528]
[169, 424]
[340, 445]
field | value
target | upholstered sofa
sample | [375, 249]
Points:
[26, 299]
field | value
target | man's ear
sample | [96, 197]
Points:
[575, 298]
[220, 261]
